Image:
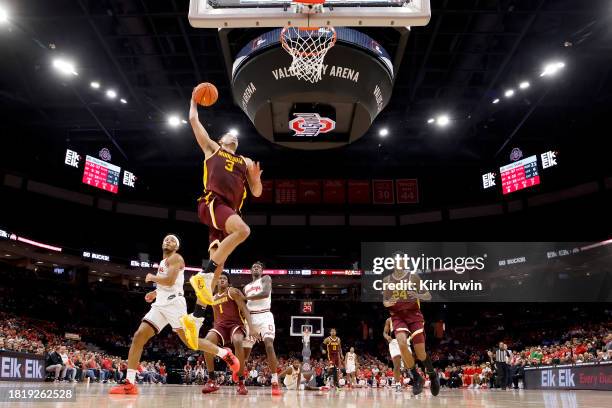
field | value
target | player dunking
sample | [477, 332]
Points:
[352, 365]
[168, 306]
[334, 353]
[408, 323]
[226, 175]
[229, 310]
[259, 299]
[396, 355]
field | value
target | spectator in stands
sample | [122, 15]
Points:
[91, 368]
[54, 363]
[163, 375]
[253, 376]
[68, 371]
[188, 373]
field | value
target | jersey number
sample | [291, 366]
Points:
[221, 309]
[229, 165]
[399, 294]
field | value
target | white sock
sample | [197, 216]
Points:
[131, 376]
[222, 352]
[275, 378]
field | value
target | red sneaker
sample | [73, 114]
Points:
[210, 386]
[324, 388]
[242, 390]
[232, 361]
[276, 389]
[126, 389]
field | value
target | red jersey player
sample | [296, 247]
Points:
[230, 312]
[226, 176]
[408, 323]
[334, 353]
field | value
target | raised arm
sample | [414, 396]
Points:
[254, 177]
[265, 291]
[208, 145]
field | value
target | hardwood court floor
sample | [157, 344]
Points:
[170, 396]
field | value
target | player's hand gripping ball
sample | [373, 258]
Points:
[205, 94]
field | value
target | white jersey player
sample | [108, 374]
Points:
[351, 365]
[396, 355]
[167, 309]
[258, 294]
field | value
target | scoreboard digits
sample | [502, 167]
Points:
[101, 174]
[520, 175]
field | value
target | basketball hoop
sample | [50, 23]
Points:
[308, 45]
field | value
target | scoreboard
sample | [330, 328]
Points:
[520, 175]
[307, 307]
[100, 174]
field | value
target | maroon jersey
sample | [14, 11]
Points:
[333, 346]
[226, 310]
[403, 302]
[225, 175]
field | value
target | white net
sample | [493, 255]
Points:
[308, 47]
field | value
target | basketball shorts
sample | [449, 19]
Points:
[226, 329]
[214, 212]
[394, 349]
[410, 322]
[350, 368]
[334, 358]
[164, 312]
[264, 326]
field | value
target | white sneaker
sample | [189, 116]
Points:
[477, 386]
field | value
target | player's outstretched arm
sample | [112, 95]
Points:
[265, 290]
[175, 263]
[254, 177]
[208, 145]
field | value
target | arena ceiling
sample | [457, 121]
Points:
[471, 51]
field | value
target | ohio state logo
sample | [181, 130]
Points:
[310, 124]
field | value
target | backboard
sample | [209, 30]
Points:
[313, 323]
[280, 13]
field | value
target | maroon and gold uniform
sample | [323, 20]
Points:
[333, 350]
[227, 317]
[225, 180]
[406, 312]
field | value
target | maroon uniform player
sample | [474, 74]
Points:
[230, 313]
[226, 176]
[409, 325]
[334, 353]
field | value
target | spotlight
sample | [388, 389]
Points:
[99, 279]
[443, 120]
[322, 292]
[509, 93]
[111, 94]
[496, 100]
[383, 132]
[174, 120]
[292, 292]
[123, 100]
[95, 85]
[431, 120]
[184, 122]
[65, 67]
[3, 16]
[137, 284]
[552, 68]
[233, 132]
[524, 85]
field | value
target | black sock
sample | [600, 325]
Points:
[210, 268]
[199, 311]
[414, 372]
[240, 379]
[427, 364]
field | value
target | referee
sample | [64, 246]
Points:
[501, 363]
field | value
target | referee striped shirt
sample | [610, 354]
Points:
[500, 355]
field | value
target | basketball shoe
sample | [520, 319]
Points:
[242, 390]
[126, 389]
[210, 386]
[191, 326]
[201, 283]
[276, 389]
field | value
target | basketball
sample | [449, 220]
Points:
[205, 94]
